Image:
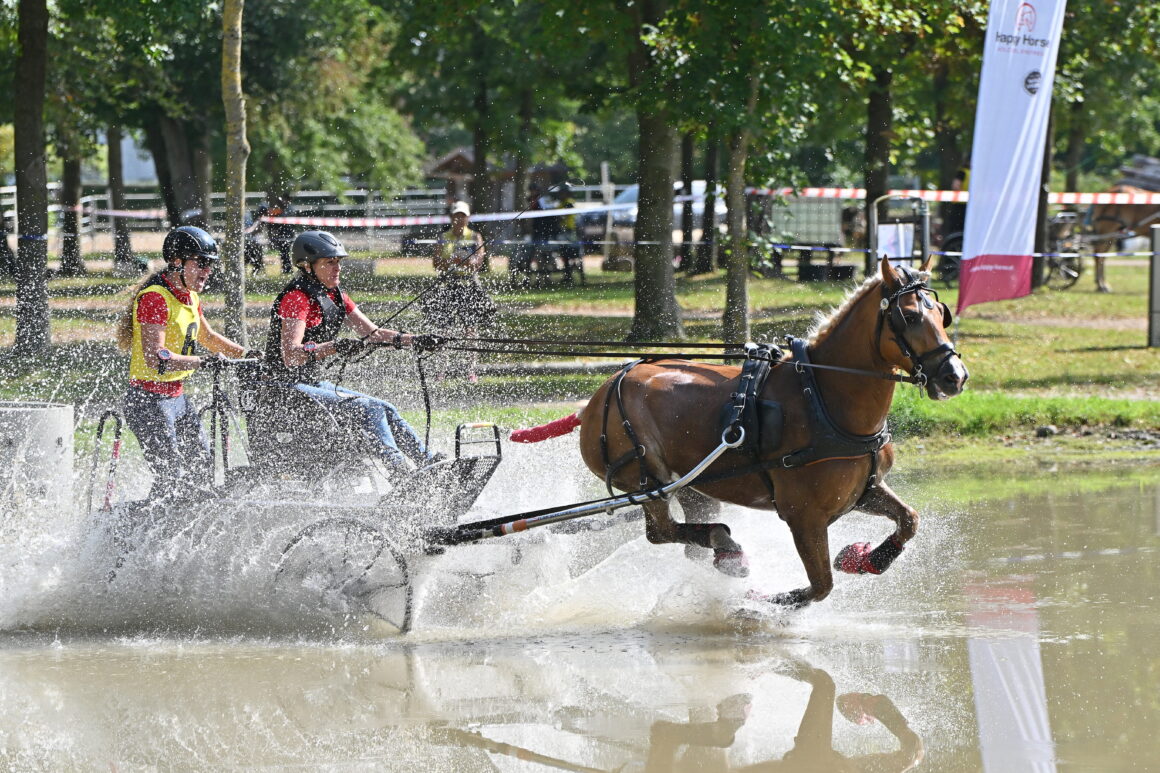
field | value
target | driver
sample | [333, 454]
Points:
[305, 321]
[163, 323]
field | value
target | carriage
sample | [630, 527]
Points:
[792, 422]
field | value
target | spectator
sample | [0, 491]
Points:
[459, 302]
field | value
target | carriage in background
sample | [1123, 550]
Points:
[1075, 237]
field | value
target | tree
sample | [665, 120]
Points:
[237, 151]
[32, 320]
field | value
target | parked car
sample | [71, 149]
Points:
[591, 224]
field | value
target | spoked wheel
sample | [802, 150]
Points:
[349, 566]
[1063, 271]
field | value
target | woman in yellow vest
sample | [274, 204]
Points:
[459, 303]
[160, 329]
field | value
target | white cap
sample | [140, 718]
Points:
[460, 207]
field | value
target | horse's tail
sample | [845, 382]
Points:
[545, 431]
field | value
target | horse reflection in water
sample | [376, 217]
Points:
[676, 746]
[827, 455]
[703, 744]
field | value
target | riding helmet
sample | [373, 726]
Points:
[189, 242]
[310, 246]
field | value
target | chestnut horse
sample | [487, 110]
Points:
[1114, 222]
[668, 410]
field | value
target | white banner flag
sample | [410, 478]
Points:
[1007, 152]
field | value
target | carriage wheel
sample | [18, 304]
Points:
[348, 565]
[1063, 271]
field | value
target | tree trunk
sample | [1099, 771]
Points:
[657, 316]
[735, 320]
[201, 161]
[181, 174]
[237, 153]
[707, 249]
[155, 139]
[122, 244]
[1075, 140]
[481, 193]
[32, 321]
[523, 141]
[946, 137]
[879, 132]
[71, 263]
[687, 207]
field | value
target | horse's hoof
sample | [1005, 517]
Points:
[1103, 288]
[855, 559]
[857, 707]
[794, 599]
[731, 562]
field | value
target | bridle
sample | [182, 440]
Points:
[890, 312]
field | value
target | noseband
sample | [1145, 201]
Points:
[891, 310]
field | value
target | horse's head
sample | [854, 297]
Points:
[912, 335]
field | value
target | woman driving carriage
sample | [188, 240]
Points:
[305, 322]
[163, 323]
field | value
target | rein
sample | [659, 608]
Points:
[740, 352]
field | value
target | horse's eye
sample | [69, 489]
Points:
[912, 318]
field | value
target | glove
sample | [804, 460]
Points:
[428, 342]
[348, 347]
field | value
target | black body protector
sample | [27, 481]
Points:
[333, 315]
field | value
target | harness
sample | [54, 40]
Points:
[760, 421]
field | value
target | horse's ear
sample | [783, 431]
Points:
[926, 264]
[889, 275]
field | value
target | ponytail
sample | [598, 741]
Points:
[125, 323]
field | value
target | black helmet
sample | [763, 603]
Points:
[189, 242]
[310, 246]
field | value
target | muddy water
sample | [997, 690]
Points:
[1018, 632]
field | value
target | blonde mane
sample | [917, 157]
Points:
[824, 321]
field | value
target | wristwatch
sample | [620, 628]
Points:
[310, 347]
[163, 358]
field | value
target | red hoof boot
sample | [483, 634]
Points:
[731, 562]
[855, 559]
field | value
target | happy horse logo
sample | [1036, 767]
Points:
[1025, 18]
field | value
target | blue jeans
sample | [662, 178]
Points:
[173, 441]
[378, 418]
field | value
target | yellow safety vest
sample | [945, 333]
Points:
[181, 331]
[450, 246]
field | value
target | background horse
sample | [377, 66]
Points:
[1114, 222]
[811, 474]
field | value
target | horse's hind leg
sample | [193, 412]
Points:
[858, 558]
[660, 528]
[697, 508]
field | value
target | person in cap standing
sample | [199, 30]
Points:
[305, 322]
[160, 329]
[459, 303]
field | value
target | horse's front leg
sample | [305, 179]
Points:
[659, 528]
[859, 558]
[812, 541]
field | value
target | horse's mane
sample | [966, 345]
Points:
[824, 322]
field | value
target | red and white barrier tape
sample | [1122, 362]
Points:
[956, 196]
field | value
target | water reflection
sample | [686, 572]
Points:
[687, 707]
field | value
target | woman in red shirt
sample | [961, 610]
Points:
[305, 322]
